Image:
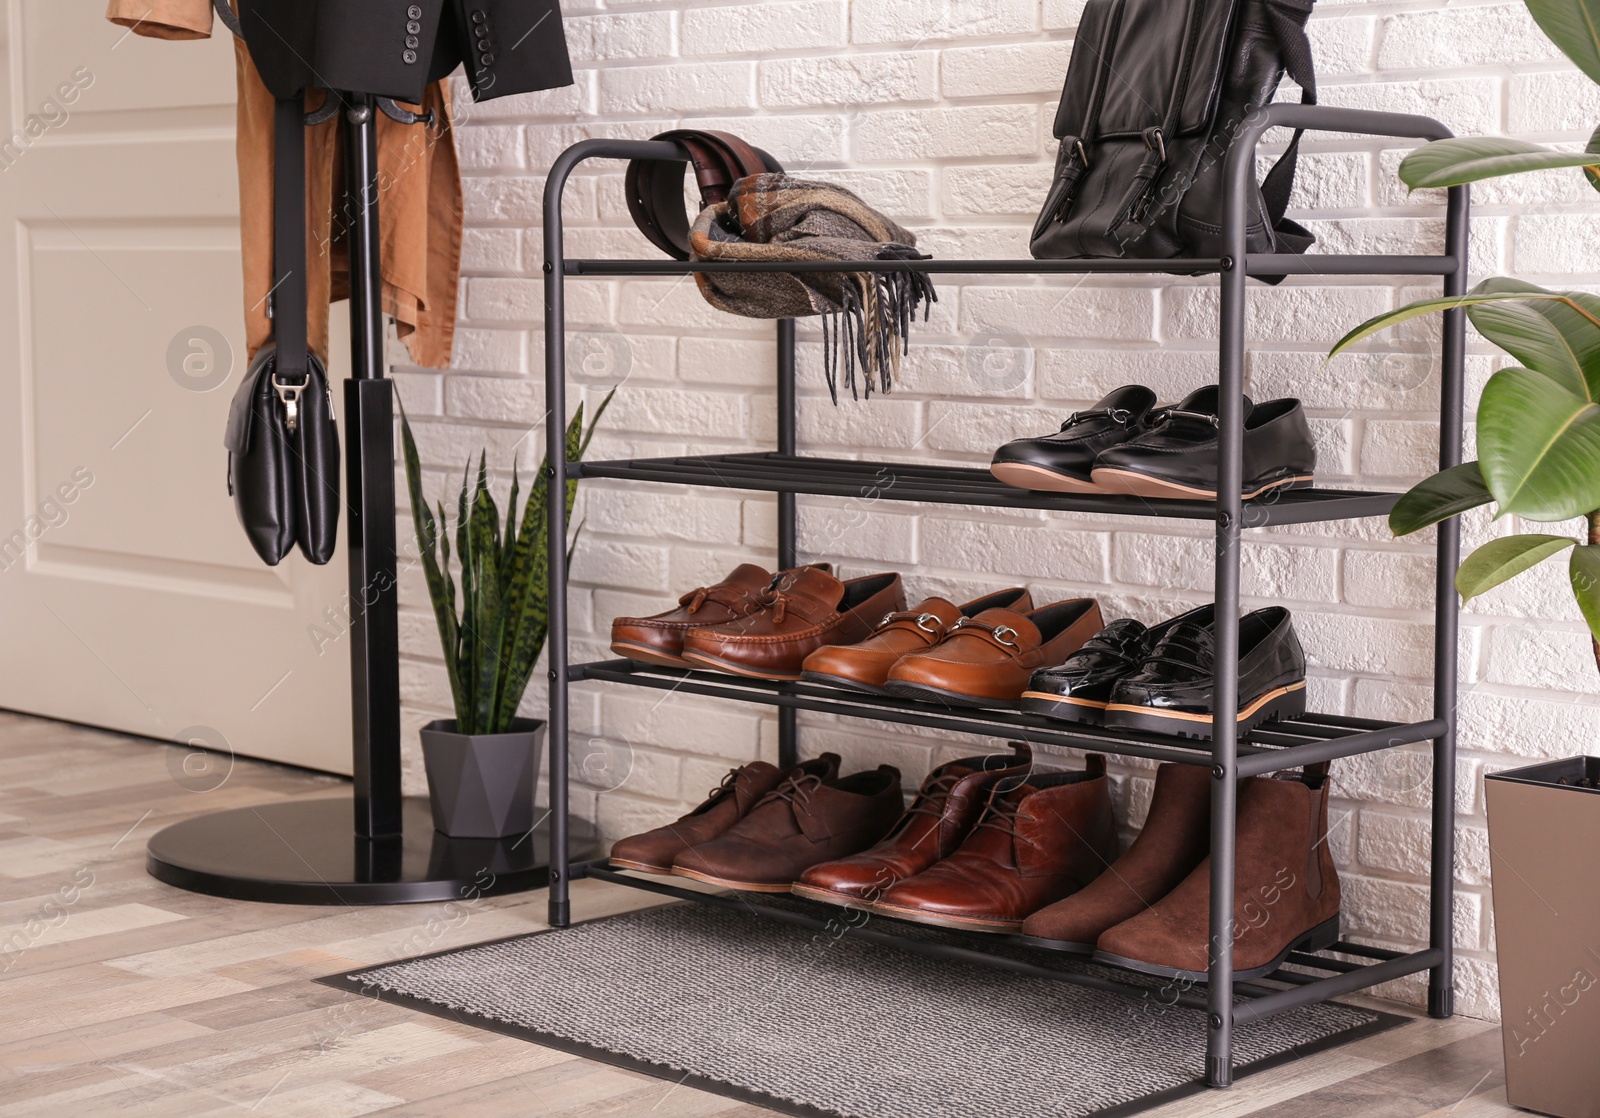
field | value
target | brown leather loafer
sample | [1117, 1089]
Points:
[1036, 843]
[951, 799]
[1175, 839]
[806, 820]
[803, 610]
[986, 661]
[729, 802]
[864, 666]
[1285, 898]
[659, 639]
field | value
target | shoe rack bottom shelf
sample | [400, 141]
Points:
[1288, 989]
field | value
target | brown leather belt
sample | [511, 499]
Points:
[655, 186]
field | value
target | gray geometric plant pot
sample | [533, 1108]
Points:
[481, 785]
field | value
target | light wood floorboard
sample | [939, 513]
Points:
[145, 999]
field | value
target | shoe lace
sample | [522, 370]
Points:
[727, 787]
[1001, 815]
[933, 797]
[795, 790]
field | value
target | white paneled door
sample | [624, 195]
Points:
[129, 597]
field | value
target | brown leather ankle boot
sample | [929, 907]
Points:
[729, 802]
[1035, 843]
[951, 799]
[1286, 891]
[1175, 839]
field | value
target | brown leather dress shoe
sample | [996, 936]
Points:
[986, 661]
[1286, 891]
[653, 851]
[1175, 839]
[659, 639]
[1036, 843]
[864, 666]
[951, 799]
[803, 610]
[804, 821]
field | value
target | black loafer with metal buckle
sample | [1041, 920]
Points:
[1171, 692]
[1061, 462]
[1080, 689]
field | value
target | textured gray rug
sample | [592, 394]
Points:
[816, 1024]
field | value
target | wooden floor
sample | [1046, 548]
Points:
[121, 995]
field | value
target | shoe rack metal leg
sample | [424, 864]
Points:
[788, 536]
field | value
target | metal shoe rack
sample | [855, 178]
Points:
[1344, 969]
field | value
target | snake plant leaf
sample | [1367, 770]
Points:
[429, 537]
[1546, 335]
[1467, 159]
[1448, 493]
[1476, 297]
[1574, 26]
[1538, 444]
[509, 541]
[1584, 571]
[1500, 560]
[489, 621]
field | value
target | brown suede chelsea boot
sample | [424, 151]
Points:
[1037, 841]
[951, 799]
[805, 820]
[1286, 891]
[800, 612]
[729, 802]
[1175, 839]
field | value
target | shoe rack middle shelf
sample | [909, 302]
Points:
[1306, 740]
[932, 483]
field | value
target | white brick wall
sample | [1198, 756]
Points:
[939, 113]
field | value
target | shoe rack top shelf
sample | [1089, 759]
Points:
[932, 483]
[1272, 748]
[1256, 264]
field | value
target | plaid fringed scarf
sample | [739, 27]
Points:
[866, 316]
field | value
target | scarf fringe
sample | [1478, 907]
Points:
[872, 328]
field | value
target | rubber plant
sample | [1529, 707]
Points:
[1539, 422]
[493, 630]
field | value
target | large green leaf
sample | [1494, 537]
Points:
[1476, 297]
[1499, 560]
[483, 530]
[1539, 446]
[1574, 26]
[1456, 162]
[440, 587]
[1445, 494]
[1593, 173]
[1546, 335]
[1585, 574]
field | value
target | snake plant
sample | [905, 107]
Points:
[493, 630]
[1539, 423]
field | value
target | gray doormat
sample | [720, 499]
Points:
[815, 1024]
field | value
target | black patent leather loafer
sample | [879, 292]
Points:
[1171, 691]
[1061, 462]
[1080, 689]
[1179, 459]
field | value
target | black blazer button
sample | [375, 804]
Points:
[411, 40]
[410, 56]
[414, 12]
[488, 60]
[414, 28]
[478, 16]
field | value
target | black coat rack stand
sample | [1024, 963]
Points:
[376, 847]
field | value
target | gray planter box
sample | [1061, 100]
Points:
[481, 785]
[1544, 850]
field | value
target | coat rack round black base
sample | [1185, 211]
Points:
[306, 852]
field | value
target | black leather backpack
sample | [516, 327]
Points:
[1155, 92]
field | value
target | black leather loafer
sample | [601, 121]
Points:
[1179, 458]
[1080, 689]
[1060, 463]
[1171, 692]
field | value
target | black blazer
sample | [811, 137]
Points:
[394, 48]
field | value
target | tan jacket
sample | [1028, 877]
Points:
[419, 205]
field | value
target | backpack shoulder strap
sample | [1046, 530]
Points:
[1288, 21]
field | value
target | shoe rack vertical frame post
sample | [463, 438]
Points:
[788, 539]
[1447, 620]
[559, 472]
[1239, 179]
